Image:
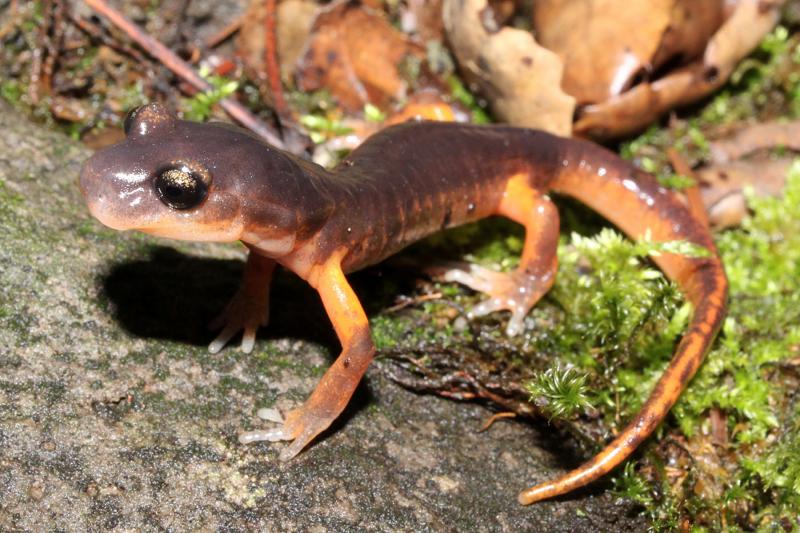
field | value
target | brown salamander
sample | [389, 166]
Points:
[213, 182]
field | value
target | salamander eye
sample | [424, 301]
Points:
[129, 118]
[180, 187]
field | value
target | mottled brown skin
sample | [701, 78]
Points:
[404, 183]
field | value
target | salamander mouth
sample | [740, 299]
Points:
[218, 232]
[107, 218]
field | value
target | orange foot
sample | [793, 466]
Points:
[515, 291]
[301, 426]
[247, 311]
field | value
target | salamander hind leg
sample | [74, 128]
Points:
[336, 387]
[249, 308]
[518, 291]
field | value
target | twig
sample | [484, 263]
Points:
[183, 70]
[272, 65]
[37, 63]
[494, 418]
[413, 301]
[693, 197]
[91, 29]
[54, 44]
[225, 33]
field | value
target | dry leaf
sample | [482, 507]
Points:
[603, 43]
[722, 186]
[757, 137]
[424, 18]
[692, 23]
[520, 78]
[740, 34]
[293, 24]
[356, 54]
[629, 112]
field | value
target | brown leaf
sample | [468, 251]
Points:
[603, 43]
[722, 186]
[356, 54]
[70, 109]
[740, 34]
[520, 78]
[757, 137]
[626, 113]
[607, 44]
[105, 137]
[424, 17]
[692, 23]
[293, 24]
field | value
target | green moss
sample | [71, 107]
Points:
[560, 392]
[769, 79]
[198, 107]
[322, 127]
[11, 90]
[748, 380]
[460, 93]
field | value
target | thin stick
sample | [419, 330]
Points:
[494, 418]
[95, 32]
[54, 44]
[37, 63]
[225, 33]
[271, 64]
[693, 196]
[183, 70]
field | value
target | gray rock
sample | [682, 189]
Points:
[114, 416]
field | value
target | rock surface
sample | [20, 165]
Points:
[113, 416]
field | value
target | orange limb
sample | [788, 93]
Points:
[249, 308]
[337, 386]
[518, 291]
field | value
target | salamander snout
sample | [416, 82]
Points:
[113, 192]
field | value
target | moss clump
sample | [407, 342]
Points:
[559, 391]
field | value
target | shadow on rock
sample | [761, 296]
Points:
[171, 295]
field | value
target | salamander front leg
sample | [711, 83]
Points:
[340, 381]
[249, 307]
[518, 291]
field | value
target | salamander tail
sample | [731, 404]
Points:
[707, 319]
[640, 206]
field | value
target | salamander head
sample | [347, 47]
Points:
[189, 181]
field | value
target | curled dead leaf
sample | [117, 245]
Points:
[607, 45]
[424, 18]
[628, 112]
[357, 55]
[599, 60]
[722, 186]
[520, 78]
[757, 137]
[294, 20]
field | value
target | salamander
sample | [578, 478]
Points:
[214, 182]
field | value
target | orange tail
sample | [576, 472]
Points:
[638, 205]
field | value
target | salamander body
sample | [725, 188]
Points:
[213, 182]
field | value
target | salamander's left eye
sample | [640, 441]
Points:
[180, 187]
